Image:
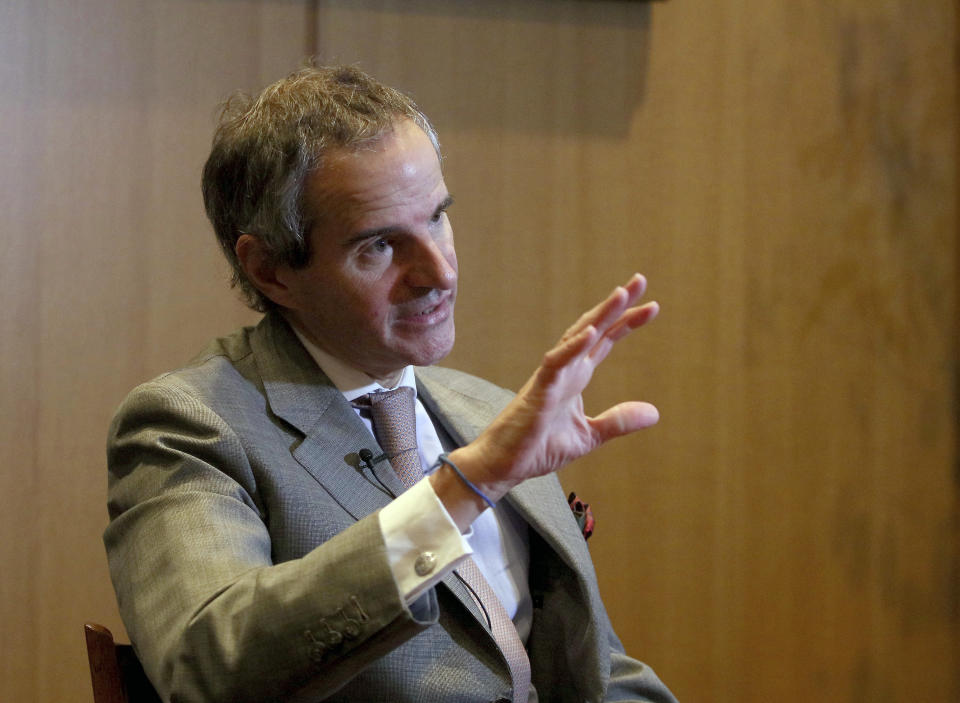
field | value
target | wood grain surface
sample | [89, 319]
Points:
[785, 174]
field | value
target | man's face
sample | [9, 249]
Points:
[380, 288]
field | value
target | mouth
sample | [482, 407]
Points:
[429, 314]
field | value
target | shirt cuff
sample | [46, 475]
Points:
[423, 542]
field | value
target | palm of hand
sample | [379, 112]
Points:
[545, 426]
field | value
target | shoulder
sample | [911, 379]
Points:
[243, 358]
[223, 365]
[465, 404]
[451, 381]
[222, 374]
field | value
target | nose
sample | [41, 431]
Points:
[434, 265]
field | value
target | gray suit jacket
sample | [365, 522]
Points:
[248, 562]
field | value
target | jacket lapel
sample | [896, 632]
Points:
[301, 395]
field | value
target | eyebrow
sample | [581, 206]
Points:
[384, 231]
[444, 204]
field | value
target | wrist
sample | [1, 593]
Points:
[445, 459]
[462, 504]
[467, 493]
[474, 464]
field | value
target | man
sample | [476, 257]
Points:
[272, 536]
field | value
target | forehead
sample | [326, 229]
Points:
[396, 175]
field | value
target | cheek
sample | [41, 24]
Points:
[352, 291]
[372, 305]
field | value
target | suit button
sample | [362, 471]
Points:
[425, 563]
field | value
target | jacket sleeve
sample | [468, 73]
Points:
[631, 679]
[211, 615]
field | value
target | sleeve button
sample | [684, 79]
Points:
[425, 563]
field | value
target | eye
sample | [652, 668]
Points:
[378, 246]
[441, 210]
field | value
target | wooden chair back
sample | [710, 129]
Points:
[115, 671]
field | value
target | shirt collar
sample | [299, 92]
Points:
[349, 380]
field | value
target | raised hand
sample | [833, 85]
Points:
[545, 426]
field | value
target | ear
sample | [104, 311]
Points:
[262, 271]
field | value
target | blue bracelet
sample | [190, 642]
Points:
[442, 459]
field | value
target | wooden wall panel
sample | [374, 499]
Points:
[109, 274]
[785, 174]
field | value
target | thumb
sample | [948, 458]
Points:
[624, 418]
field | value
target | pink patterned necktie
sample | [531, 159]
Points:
[395, 425]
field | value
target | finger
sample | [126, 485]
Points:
[557, 358]
[636, 287]
[569, 349]
[623, 419]
[629, 321]
[632, 319]
[611, 306]
[609, 310]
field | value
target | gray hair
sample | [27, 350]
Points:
[267, 146]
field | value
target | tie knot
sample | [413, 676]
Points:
[397, 402]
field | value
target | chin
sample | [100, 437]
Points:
[434, 353]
